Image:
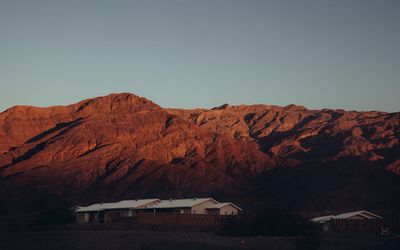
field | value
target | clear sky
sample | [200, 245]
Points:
[182, 53]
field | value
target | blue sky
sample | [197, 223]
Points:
[182, 53]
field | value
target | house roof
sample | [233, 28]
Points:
[322, 219]
[172, 203]
[221, 205]
[362, 213]
[125, 204]
[94, 207]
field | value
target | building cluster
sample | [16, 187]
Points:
[104, 212]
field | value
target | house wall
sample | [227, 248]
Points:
[177, 210]
[82, 218]
[180, 210]
[364, 226]
[185, 220]
[202, 207]
[126, 212]
[87, 217]
[183, 210]
[94, 217]
[228, 210]
[110, 214]
[213, 211]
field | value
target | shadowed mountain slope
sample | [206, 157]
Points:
[124, 146]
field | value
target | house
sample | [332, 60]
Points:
[182, 206]
[104, 212]
[326, 221]
[226, 208]
[358, 215]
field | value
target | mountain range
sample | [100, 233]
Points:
[123, 146]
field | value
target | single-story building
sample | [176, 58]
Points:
[182, 206]
[104, 212]
[356, 215]
[325, 221]
[227, 208]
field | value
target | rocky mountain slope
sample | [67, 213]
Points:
[125, 146]
[295, 133]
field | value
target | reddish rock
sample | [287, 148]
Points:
[123, 145]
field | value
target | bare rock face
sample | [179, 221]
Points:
[293, 132]
[125, 146]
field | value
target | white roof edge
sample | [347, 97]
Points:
[372, 214]
[192, 202]
[322, 218]
[207, 199]
[233, 204]
[350, 214]
[212, 200]
[225, 204]
[344, 216]
[109, 206]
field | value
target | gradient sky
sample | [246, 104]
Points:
[320, 54]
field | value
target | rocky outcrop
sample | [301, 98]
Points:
[296, 133]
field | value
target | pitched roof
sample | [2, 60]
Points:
[322, 219]
[172, 203]
[362, 213]
[125, 204]
[221, 205]
[94, 207]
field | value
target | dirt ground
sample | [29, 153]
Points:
[149, 240]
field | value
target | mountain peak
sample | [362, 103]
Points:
[223, 106]
[116, 101]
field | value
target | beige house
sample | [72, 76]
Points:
[104, 212]
[182, 206]
[227, 208]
